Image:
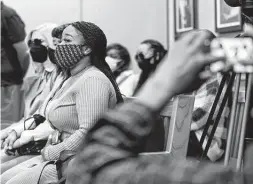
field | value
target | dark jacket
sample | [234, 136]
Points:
[12, 31]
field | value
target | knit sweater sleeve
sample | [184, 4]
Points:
[91, 102]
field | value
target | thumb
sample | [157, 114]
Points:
[49, 140]
[11, 143]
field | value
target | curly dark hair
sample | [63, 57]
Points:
[57, 32]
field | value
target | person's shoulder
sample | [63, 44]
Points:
[93, 76]
[6, 11]
[95, 73]
[128, 72]
[135, 77]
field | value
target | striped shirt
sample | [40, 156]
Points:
[76, 106]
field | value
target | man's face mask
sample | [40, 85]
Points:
[67, 56]
[112, 62]
[38, 51]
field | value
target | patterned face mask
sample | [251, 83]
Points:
[67, 56]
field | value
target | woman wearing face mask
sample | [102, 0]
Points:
[87, 90]
[118, 58]
[148, 56]
[36, 87]
[42, 47]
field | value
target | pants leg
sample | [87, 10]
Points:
[30, 176]
[15, 161]
[7, 175]
[12, 107]
[6, 158]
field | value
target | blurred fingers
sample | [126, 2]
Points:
[11, 143]
[205, 75]
[6, 143]
[201, 41]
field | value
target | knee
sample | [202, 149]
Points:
[8, 174]
[5, 177]
[8, 165]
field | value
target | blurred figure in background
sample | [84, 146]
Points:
[14, 64]
[148, 56]
[37, 87]
[40, 42]
[204, 98]
[118, 58]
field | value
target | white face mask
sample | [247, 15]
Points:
[48, 65]
[38, 67]
[112, 62]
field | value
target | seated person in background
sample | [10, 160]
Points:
[42, 57]
[110, 152]
[204, 98]
[118, 58]
[87, 90]
[148, 56]
[57, 34]
[36, 87]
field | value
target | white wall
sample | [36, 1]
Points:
[124, 21]
[36, 12]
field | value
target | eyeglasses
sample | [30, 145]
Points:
[34, 42]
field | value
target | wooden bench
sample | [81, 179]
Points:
[177, 118]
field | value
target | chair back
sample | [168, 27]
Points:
[176, 118]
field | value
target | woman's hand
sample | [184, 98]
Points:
[12, 137]
[25, 138]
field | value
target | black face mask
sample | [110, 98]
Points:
[39, 53]
[143, 63]
[51, 55]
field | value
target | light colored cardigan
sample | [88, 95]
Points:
[73, 109]
[36, 89]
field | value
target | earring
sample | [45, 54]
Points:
[87, 51]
